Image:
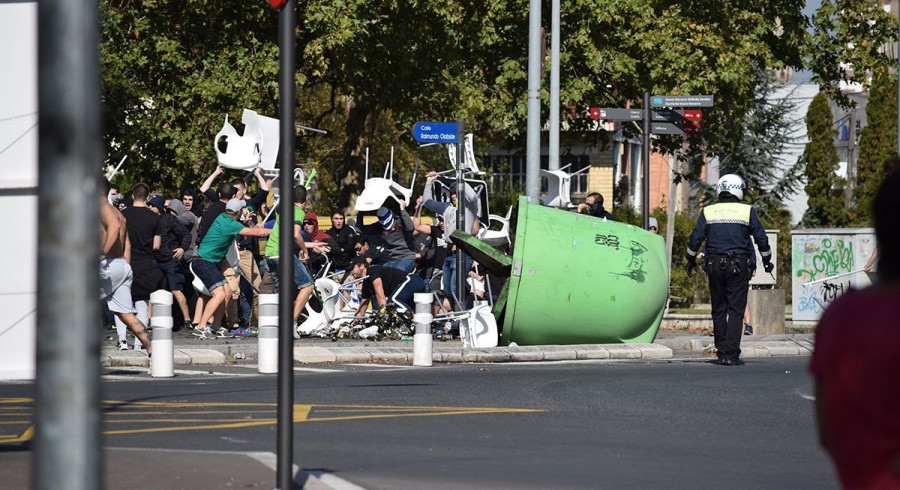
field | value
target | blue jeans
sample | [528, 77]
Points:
[302, 278]
[405, 265]
[450, 274]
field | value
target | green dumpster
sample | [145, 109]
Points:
[576, 279]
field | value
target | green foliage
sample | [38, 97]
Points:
[171, 72]
[781, 221]
[368, 70]
[846, 43]
[877, 144]
[764, 132]
[824, 188]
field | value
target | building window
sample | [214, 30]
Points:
[508, 172]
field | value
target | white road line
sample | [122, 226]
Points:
[383, 367]
[317, 370]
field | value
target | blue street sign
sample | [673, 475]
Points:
[436, 132]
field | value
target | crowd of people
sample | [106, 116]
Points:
[217, 248]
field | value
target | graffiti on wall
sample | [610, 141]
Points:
[818, 257]
[823, 257]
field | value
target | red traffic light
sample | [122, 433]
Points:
[277, 3]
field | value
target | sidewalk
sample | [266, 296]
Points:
[192, 351]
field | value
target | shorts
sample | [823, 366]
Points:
[173, 274]
[302, 278]
[146, 278]
[115, 285]
[208, 273]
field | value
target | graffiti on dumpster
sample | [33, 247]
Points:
[823, 258]
[611, 241]
[634, 270]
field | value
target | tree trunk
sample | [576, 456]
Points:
[360, 127]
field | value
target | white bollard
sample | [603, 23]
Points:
[162, 363]
[267, 358]
[422, 340]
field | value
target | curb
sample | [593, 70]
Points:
[226, 354]
[402, 352]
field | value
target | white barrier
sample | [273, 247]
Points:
[268, 334]
[422, 340]
[162, 363]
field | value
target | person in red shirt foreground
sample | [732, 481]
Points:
[856, 365]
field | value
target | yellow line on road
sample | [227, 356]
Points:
[26, 436]
[119, 412]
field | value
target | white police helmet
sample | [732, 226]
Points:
[731, 184]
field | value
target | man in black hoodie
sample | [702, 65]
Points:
[343, 235]
[175, 240]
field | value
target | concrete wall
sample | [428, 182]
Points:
[18, 187]
[823, 254]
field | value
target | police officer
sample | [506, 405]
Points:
[727, 226]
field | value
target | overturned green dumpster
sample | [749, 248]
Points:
[575, 279]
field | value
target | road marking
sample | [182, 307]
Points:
[317, 370]
[185, 416]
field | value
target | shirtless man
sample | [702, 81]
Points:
[115, 270]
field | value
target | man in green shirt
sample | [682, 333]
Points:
[302, 279]
[212, 250]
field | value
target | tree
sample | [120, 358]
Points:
[877, 143]
[171, 72]
[824, 187]
[846, 44]
[766, 129]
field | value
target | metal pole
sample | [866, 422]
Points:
[553, 150]
[287, 26]
[533, 141]
[645, 163]
[461, 271]
[67, 408]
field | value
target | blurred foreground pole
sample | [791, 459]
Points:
[533, 141]
[67, 414]
[287, 26]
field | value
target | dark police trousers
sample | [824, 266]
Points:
[729, 279]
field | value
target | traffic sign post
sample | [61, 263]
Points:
[616, 114]
[665, 128]
[682, 101]
[436, 132]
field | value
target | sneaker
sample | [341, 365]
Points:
[204, 332]
[123, 345]
[748, 329]
[244, 332]
[222, 333]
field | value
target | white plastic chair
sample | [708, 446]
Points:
[243, 152]
[496, 238]
[559, 187]
[377, 190]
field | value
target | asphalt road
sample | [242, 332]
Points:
[613, 425]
